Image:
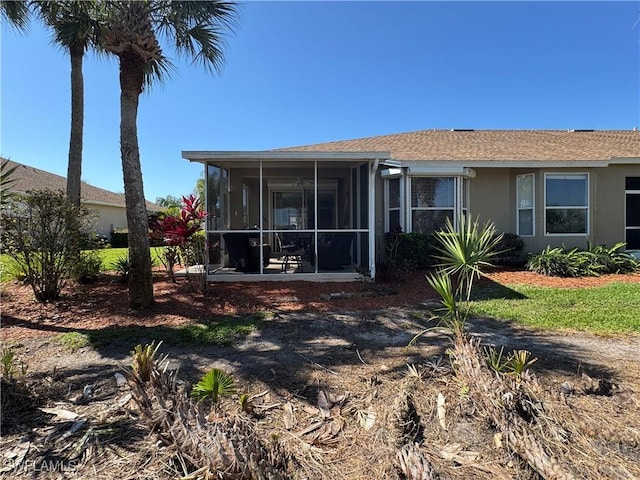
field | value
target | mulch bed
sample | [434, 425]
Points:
[104, 303]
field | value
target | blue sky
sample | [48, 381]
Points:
[298, 73]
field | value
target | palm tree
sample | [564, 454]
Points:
[131, 32]
[16, 12]
[75, 29]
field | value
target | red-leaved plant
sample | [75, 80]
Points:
[178, 234]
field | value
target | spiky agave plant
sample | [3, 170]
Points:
[144, 360]
[465, 252]
[214, 384]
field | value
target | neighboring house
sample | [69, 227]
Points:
[550, 187]
[109, 207]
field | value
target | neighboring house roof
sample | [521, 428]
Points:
[494, 145]
[31, 178]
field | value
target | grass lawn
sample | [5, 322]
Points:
[604, 310]
[8, 267]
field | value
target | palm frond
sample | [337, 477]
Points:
[196, 29]
[465, 252]
[16, 13]
[213, 385]
[74, 25]
[6, 179]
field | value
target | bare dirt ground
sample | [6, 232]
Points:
[353, 351]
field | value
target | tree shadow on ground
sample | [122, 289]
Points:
[293, 352]
[487, 289]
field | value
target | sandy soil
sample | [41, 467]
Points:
[355, 347]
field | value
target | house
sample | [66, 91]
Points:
[550, 187]
[109, 207]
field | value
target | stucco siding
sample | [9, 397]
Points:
[609, 203]
[491, 198]
[108, 218]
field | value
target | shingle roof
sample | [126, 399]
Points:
[494, 145]
[31, 178]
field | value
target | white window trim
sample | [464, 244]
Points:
[533, 206]
[457, 207]
[588, 206]
[399, 208]
[246, 196]
[628, 192]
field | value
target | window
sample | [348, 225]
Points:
[632, 214]
[217, 198]
[432, 202]
[392, 194]
[245, 206]
[525, 199]
[566, 204]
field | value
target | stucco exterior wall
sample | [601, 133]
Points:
[108, 218]
[609, 202]
[493, 197]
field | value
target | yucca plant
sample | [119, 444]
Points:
[519, 361]
[465, 252]
[495, 359]
[144, 360]
[214, 384]
[122, 265]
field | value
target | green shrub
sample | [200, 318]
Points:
[510, 251]
[119, 239]
[88, 267]
[613, 259]
[596, 260]
[406, 252]
[418, 248]
[42, 232]
[122, 266]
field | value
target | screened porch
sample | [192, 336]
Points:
[289, 215]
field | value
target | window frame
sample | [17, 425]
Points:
[388, 209]
[586, 207]
[628, 192]
[457, 199]
[532, 208]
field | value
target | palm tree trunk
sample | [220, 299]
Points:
[74, 169]
[140, 280]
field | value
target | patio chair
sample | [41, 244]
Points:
[291, 252]
[336, 252]
[243, 254]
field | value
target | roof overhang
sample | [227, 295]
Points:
[445, 170]
[203, 156]
[453, 164]
[626, 161]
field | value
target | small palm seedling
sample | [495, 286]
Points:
[213, 385]
[122, 265]
[519, 361]
[8, 363]
[495, 359]
[144, 359]
[245, 403]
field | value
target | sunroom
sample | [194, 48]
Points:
[284, 215]
[419, 198]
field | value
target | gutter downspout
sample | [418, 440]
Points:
[372, 217]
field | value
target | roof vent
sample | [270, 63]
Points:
[585, 130]
[462, 130]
